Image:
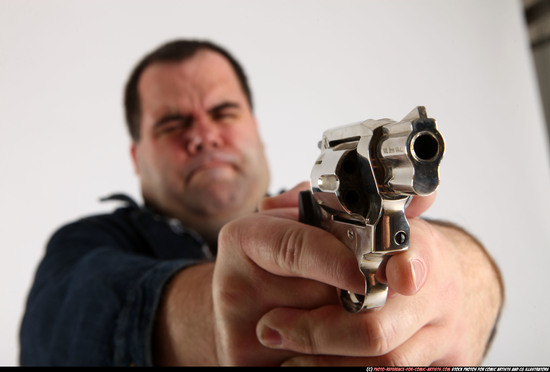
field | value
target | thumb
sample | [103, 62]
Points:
[419, 205]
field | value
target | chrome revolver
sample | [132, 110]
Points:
[362, 182]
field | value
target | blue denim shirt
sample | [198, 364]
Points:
[96, 291]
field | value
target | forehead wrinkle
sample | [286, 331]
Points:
[191, 85]
[164, 92]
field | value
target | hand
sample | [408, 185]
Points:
[444, 297]
[267, 261]
[254, 272]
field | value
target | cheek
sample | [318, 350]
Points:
[161, 161]
[247, 141]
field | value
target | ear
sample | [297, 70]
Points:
[133, 153]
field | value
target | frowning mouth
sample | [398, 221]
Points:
[210, 161]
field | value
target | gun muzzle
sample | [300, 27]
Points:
[361, 184]
[409, 153]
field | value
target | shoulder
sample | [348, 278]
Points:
[131, 228]
[118, 229]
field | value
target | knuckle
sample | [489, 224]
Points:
[227, 236]
[288, 256]
[377, 335]
[301, 331]
[230, 296]
[398, 358]
[309, 346]
[309, 338]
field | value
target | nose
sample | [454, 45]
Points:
[203, 135]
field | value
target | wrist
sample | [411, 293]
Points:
[484, 284]
[183, 332]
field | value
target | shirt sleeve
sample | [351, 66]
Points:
[93, 303]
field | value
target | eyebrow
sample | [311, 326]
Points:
[222, 106]
[188, 119]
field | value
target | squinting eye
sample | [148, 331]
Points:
[227, 114]
[173, 123]
[170, 127]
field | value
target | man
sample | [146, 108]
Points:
[140, 286]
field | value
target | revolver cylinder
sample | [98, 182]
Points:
[362, 182]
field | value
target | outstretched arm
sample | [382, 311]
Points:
[273, 298]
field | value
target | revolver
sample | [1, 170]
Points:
[361, 183]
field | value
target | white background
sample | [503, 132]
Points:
[313, 65]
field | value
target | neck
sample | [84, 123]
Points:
[208, 226]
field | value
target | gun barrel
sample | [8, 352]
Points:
[408, 156]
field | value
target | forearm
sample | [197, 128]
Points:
[93, 309]
[484, 286]
[184, 329]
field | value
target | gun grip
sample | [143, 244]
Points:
[310, 212]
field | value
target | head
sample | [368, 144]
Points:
[195, 142]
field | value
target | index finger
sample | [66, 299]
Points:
[287, 247]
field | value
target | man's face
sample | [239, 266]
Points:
[199, 157]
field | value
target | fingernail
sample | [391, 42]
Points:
[418, 270]
[270, 337]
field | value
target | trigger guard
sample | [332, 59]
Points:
[375, 291]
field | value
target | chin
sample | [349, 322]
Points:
[219, 200]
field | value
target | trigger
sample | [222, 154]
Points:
[310, 212]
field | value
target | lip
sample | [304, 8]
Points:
[212, 166]
[210, 161]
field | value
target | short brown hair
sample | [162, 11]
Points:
[173, 51]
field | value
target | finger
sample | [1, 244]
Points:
[294, 249]
[423, 349]
[419, 205]
[242, 296]
[407, 272]
[286, 199]
[330, 330]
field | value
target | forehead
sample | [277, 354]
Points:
[201, 74]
